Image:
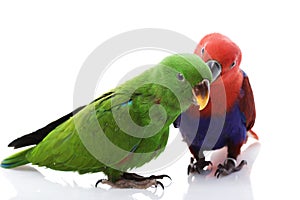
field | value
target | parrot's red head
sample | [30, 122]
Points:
[223, 57]
[220, 53]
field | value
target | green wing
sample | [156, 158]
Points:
[79, 144]
[62, 148]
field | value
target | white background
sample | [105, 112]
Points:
[42, 48]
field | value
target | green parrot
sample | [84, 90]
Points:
[122, 129]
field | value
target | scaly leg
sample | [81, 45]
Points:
[230, 166]
[199, 165]
[132, 180]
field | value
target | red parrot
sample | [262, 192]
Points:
[230, 113]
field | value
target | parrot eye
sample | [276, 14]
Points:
[233, 64]
[202, 50]
[180, 77]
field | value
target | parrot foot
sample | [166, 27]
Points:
[198, 166]
[132, 180]
[228, 167]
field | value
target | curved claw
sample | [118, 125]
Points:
[198, 166]
[241, 165]
[210, 163]
[189, 169]
[166, 176]
[217, 174]
[160, 184]
[192, 160]
[220, 171]
[160, 177]
[229, 167]
[99, 181]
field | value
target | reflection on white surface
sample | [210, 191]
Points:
[29, 182]
[234, 186]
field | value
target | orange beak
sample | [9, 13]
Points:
[201, 94]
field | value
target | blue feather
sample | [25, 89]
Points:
[128, 103]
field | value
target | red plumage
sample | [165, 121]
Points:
[231, 99]
[231, 80]
[247, 105]
[220, 48]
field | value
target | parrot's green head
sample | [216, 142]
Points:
[190, 77]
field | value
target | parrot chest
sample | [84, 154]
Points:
[214, 132]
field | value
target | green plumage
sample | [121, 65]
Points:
[124, 128]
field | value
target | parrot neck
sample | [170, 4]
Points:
[224, 92]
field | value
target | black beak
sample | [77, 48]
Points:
[215, 68]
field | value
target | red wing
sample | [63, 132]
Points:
[247, 105]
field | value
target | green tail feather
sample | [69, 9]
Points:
[16, 159]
